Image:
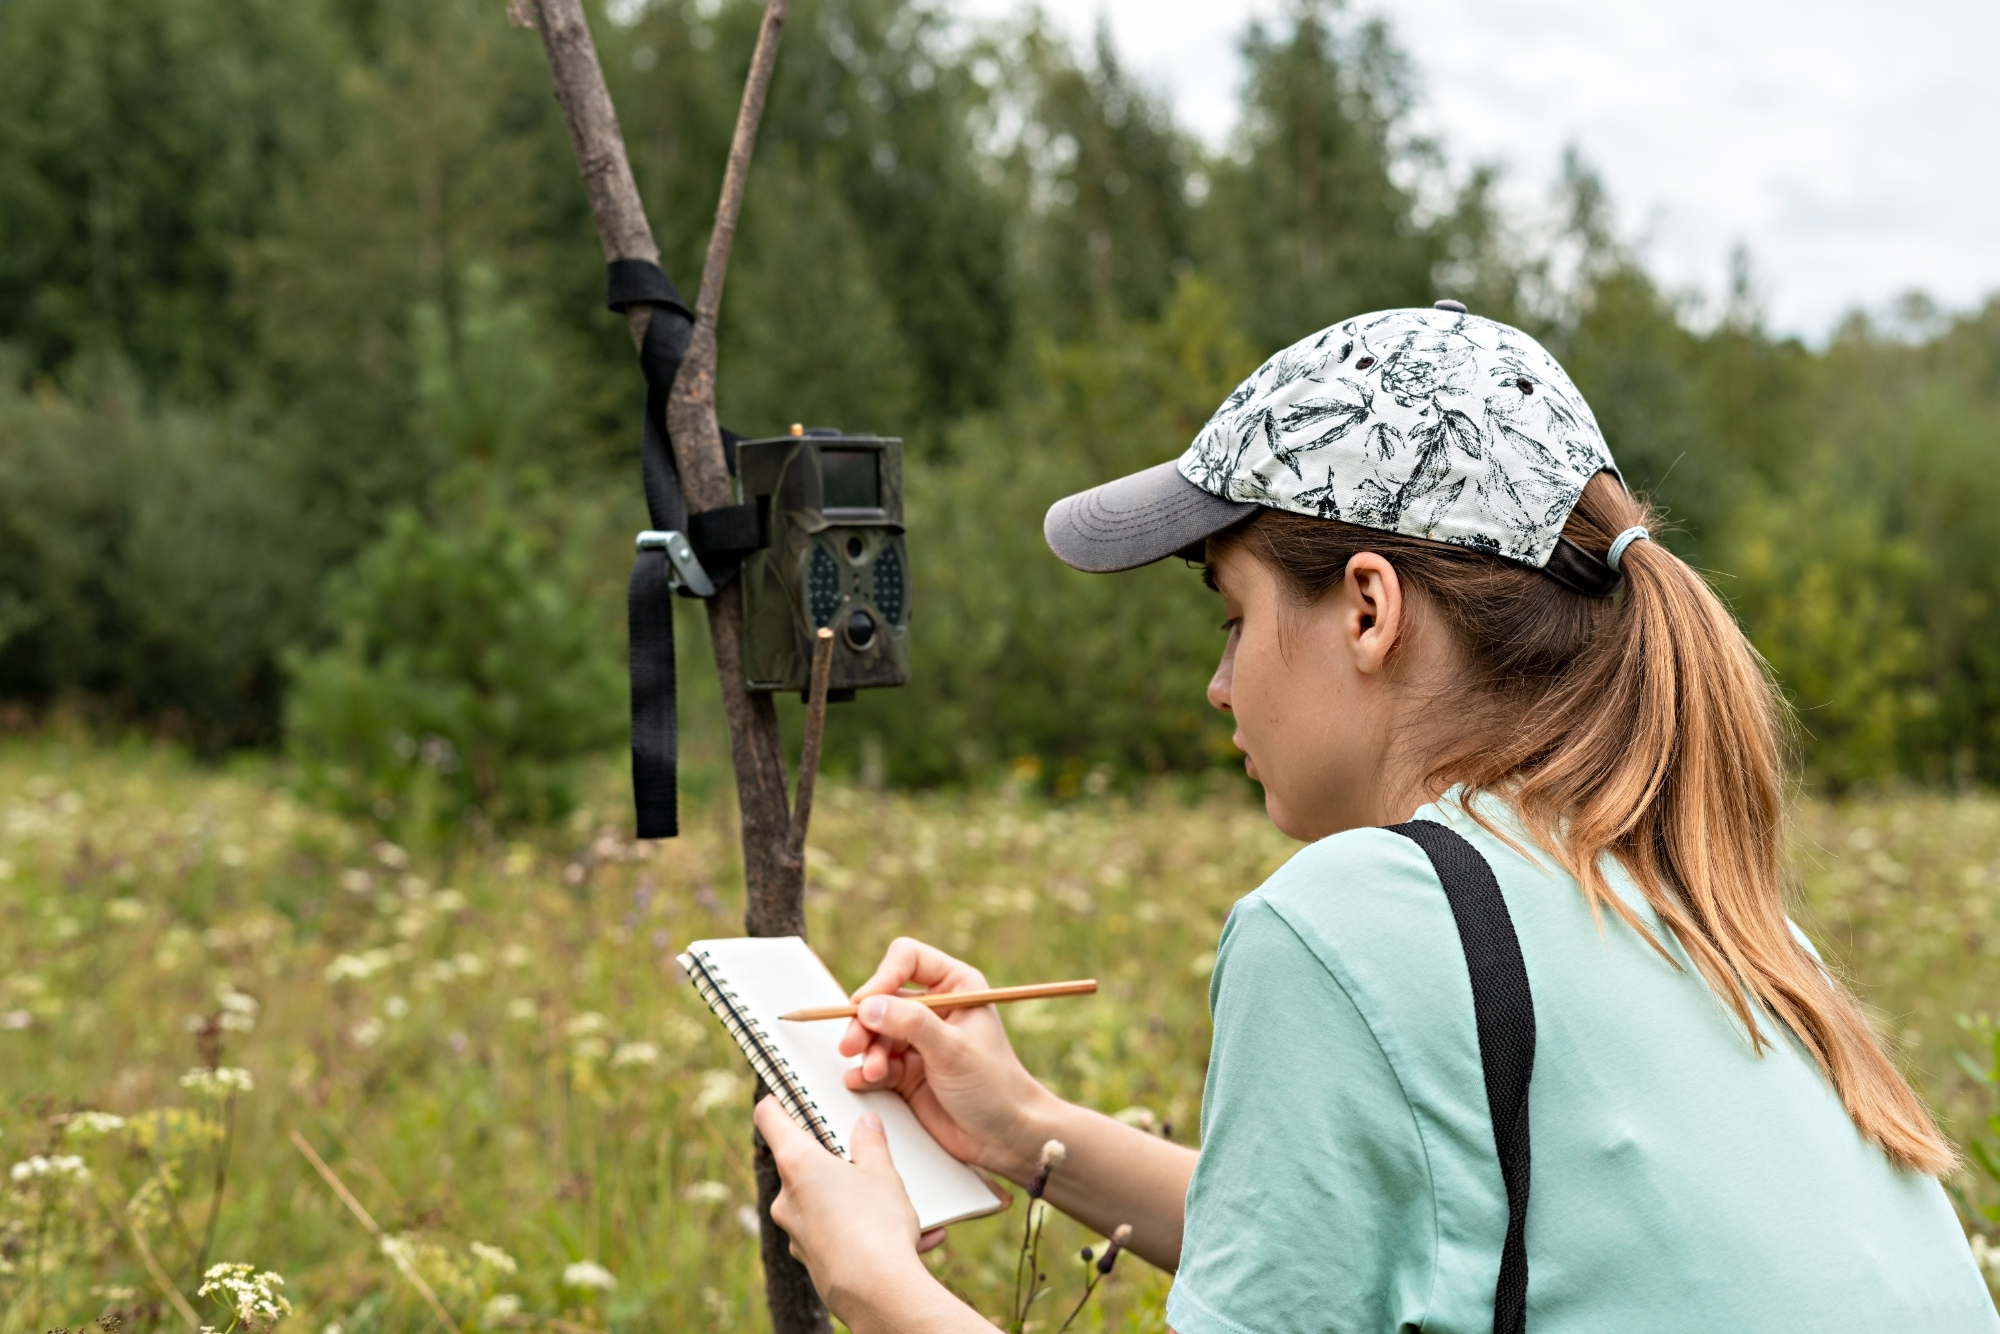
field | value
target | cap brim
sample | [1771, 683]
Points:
[1137, 520]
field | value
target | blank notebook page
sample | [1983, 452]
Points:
[771, 975]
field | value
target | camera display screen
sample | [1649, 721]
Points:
[851, 478]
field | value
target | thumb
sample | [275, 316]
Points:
[783, 1134]
[868, 1145]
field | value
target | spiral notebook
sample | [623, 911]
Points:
[749, 982]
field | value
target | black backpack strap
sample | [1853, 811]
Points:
[1504, 1011]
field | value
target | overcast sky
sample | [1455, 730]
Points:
[1853, 145]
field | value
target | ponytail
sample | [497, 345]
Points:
[1643, 725]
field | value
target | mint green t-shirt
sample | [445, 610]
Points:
[1681, 1182]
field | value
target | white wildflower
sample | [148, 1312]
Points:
[448, 901]
[368, 1032]
[223, 1082]
[1986, 1255]
[57, 1165]
[748, 1220]
[254, 1297]
[359, 967]
[523, 1009]
[588, 1024]
[717, 1087]
[396, 1007]
[500, 1308]
[634, 1053]
[391, 856]
[516, 956]
[492, 1257]
[239, 1010]
[706, 1192]
[356, 881]
[92, 1125]
[16, 1019]
[125, 910]
[588, 1274]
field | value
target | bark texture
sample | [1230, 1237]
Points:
[775, 881]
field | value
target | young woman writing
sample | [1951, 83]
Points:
[1442, 605]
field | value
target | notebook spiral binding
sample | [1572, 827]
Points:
[771, 1067]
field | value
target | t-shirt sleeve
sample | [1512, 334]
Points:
[1311, 1207]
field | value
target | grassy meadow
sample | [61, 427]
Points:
[493, 1050]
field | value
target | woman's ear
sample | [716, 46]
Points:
[1374, 619]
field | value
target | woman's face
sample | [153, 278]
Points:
[1308, 689]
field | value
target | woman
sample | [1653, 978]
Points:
[1441, 602]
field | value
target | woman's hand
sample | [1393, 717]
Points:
[852, 1226]
[957, 1070]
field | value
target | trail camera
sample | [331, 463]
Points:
[833, 557]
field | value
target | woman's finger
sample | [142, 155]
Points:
[931, 1240]
[910, 962]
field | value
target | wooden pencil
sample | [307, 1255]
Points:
[958, 1000]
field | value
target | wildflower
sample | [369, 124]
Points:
[368, 1032]
[252, 1296]
[16, 1019]
[492, 1257]
[717, 1087]
[1113, 1246]
[523, 1009]
[500, 1308]
[92, 1125]
[1986, 1255]
[634, 1053]
[359, 967]
[58, 1165]
[516, 956]
[1053, 1154]
[396, 1007]
[239, 1011]
[588, 1274]
[223, 1082]
[588, 1024]
[706, 1192]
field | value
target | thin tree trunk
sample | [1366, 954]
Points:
[774, 882]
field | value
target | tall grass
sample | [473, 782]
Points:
[493, 1050]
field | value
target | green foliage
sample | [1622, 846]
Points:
[468, 675]
[153, 558]
[1097, 672]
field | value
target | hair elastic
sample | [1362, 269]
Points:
[1623, 540]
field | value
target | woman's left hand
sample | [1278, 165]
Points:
[849, 1222]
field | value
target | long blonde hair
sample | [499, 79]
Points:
[1643, 725]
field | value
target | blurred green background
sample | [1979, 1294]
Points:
[314, 432]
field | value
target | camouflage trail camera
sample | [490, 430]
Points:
[833, 557]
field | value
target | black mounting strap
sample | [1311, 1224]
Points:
[719, 538]
[1503, 1009]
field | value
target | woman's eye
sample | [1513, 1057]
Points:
[1228, 627]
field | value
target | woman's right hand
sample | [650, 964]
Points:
[956, 1069]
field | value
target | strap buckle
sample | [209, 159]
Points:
[687, 570]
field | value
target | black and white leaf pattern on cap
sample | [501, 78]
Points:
[1457, 428]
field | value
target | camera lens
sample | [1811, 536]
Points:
[855, 547]
[860, 629]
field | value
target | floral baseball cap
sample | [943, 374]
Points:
[1432, 423]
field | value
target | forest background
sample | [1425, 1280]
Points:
[313, 427]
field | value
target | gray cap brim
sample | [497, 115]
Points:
[1137, 520]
